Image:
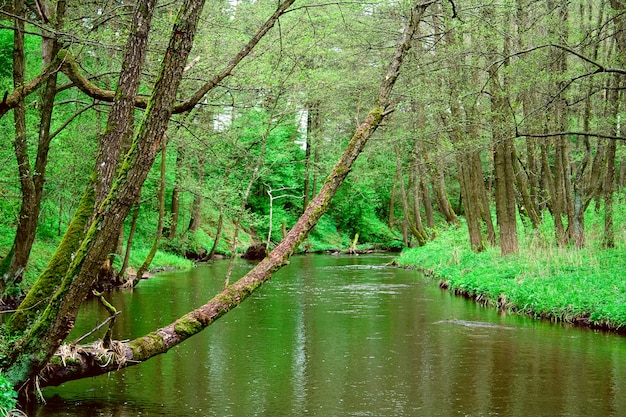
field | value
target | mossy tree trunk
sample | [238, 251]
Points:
[120, 120]
[10, 273]
[161, 340]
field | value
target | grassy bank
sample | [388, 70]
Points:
[584, 286]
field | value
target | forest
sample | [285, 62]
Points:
[142, 135]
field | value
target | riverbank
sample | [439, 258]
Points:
[580, 286]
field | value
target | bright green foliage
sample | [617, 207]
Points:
[8, 397]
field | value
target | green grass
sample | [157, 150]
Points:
[562, 284]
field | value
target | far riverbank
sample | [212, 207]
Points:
[585, 287]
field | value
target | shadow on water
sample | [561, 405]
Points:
[346, 336]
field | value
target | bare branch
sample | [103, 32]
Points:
[197, 96]
[9, 101]
[569, 133]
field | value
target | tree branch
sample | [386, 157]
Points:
[72, 70]
[569, 133]
[9, 101]
[197, 96]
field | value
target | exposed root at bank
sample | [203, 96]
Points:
[502, 303]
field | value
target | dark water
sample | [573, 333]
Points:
[347, 336]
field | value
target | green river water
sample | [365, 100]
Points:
[345, 336]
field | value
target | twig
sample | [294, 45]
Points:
[98, 327]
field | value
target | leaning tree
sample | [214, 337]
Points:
[31, 359]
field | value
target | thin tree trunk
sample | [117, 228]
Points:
[129, 242]
[441, 195]
[407, 224]
[218, 235]
[428, 203]
[313, 123]
[392, 200]
[522, 181]
[196, 207]
[175, 202]
[157, 239]
[609, 181]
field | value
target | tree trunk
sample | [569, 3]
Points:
[392, 201]
[522, 180]
[313, 124]
[32, 182]
[416, 230]
[196, 206]
[614, 98]
[428, 203]
[218, 235]
[502, 155]
[18, 255]
[441, 195]
[162, 340]
[417, 202]
[175, 204]
[120, 123]
[157, 239]
[52, 277]
[129, 242]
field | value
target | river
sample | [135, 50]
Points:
[345, 336]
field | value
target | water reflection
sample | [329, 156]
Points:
[346, 336]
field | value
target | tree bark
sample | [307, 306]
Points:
[218, 235]
[47, 284]
[614, 96]
[175, 204]
[313, 124]
[129, 242]
[441, 195]
[160, 341]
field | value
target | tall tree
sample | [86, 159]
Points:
[503, 152]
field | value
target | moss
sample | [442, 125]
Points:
[187, 326]
[226, 297]
[145, 346]
[51, 278]
[64, 55]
